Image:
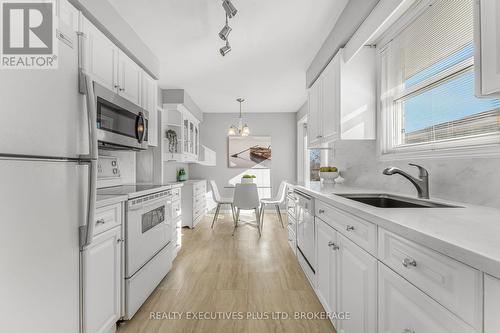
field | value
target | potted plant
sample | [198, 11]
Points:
[247, 179]
[328, 174]
[181, 175]
[171, 136]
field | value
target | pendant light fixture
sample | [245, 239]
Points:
[226, 30]
[241, 129]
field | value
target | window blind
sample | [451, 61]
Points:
[443, 29]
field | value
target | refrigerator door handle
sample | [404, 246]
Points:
[92, 117]
[87, 230]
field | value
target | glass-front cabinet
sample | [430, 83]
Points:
[181, 135]
[190, 137]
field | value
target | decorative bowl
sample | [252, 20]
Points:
[328, 177]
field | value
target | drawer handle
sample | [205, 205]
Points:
[349, 228]
[334, 246]
[119, 240]
[100, 221]
[409, 262]
[407, 331]
[321, 211]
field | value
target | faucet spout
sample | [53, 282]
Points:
[421, 183]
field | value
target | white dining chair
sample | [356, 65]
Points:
[276, 201]
[246, 197]
[220, 201]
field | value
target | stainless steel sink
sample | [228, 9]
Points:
[383, 200]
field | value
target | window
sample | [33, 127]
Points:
[427, 82]
[314, 164]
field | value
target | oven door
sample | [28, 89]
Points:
[120, 123]
[148, 229]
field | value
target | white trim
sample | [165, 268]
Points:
[300, 149]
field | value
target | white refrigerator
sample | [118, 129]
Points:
[47, 194]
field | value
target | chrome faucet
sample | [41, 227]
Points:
[421, 183]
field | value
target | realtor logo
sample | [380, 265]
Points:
[28, 34]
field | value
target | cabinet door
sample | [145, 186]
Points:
[491, 304]
[331, 99]
[326, 264]
[129, 78]
[314, 109]
[487, 37]
[101, 282]
[99, 56]
[149, 97]
[356, 288]
[404, 308]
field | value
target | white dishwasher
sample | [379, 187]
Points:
[305, 233]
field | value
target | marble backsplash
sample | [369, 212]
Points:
[468, 180]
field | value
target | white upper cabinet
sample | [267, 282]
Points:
[129, 78]
[487, 46]
[100, 56]
[149, 102]
[342, 100]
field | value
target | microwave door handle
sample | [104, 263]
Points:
[92, 117]
[140, 121]
[87, 230]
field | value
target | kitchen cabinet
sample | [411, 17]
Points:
[404, 308]
[342, 101]
[346, 280]
[326, 265]
[487, 47]
[187, 129]
[149, 102]
[102, 276]
[194, 205]
[491, 304]
[100, 56]
[356, 287]
[129, 78]
[108, 65]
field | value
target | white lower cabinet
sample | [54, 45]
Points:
[101, 265]
[326, 265]
[404, 308]
[356, 288]
[346, 280]
[491, 304]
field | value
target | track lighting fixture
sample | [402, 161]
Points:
[229, 8]
[225, 49]
[224, 33]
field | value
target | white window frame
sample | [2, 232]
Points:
[480, 145]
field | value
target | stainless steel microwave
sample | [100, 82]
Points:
[121, 124]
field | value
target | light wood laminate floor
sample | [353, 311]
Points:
[216, 272]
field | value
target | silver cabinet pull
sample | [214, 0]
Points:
[321, 211]
[405, 330]
[409, 262]
[100, 221]
[333, 246]
[349, 228]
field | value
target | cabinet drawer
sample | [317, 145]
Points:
[176, 194]
[199, 200]
[404, 308]
[292, 240]
[451, 283]
[360, 231]
[176, 209]
[291, 222]
[107, 217]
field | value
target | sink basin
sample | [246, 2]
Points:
[383, 200]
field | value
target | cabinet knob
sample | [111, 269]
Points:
[321, 211]
[119, 240]
[333, 246]
[349, 228]
[100, 221]
[409, 262]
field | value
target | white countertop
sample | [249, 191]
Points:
[470, 234]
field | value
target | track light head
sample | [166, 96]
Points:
[225, 49]
[224, 33]
[229, 8]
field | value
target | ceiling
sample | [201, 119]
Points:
[273, 42]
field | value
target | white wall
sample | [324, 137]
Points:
[468, 180]
[280, 126]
